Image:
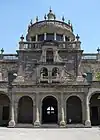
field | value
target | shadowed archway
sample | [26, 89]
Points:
[74, 110]
[4, 110]
[95, 109]
[25, 110]
[49, 110]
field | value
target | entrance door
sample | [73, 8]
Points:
[94, 115]
[95, 109]
[74, 110]
[25, 110]
[49, 110]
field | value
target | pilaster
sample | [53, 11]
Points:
[62, 122]
[88, 121]
[37, 122]
[12, 118]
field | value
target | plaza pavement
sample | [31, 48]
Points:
[49, 134]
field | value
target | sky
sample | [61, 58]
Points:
[15, 16]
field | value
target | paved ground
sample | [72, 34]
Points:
[50, 134]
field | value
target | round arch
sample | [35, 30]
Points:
[74, 110]
[49, 109]
[44, 71]
[55, 71]
[4, 109]
[95, 108]
[25, 110]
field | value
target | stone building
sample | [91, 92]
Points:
[50, 81]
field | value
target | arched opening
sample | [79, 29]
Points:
[49, 110]
[95, 109]
[74, 110]
[25, 110]
[55, 72]
[4, 110]
[44, 72]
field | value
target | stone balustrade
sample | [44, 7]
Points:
[73, 45]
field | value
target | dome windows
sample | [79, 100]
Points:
[50, 37]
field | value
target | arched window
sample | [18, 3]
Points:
[55, 72]
[49, 55]
[50, 110]
[67, 38]
[44, 72]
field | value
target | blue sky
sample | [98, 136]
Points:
[15, 16]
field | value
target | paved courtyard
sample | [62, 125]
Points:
[50, 134]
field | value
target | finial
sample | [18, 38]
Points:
[31, 22]
[68, 22]
[50, 10]
[98, 50]
[37, 19]
[22, 38]
[63, 19]
[77, 37]
[45, 17]
[2, 51]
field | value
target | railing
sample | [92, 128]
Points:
[8, 56]
[75, 45]
[89, 57]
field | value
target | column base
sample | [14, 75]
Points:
[62, 124]
[87, 123]
[37, 124]
[11, 123]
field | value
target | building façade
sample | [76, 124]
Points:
[49, 81]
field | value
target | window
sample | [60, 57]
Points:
[41, 37]
[44, 72]
[50, 110]
[55, 72]
[11, 76]
[50, 36]
[66, 38]
[33, 38]
[49, 56]
[59, 37]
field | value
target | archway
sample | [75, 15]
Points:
[25, 110]
[95, 109]
[74, 110]
[4, 109]
[49, 110]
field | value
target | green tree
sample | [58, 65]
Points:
[98, 76]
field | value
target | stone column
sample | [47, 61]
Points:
[16, 112]
[54, 36]
[64, 38]
[64, 45]
[36, 38]
[55, 55]
[87, 121]
[12, 120]
[45, 36]
[37, 122]
[62, 122]
[49, 76]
